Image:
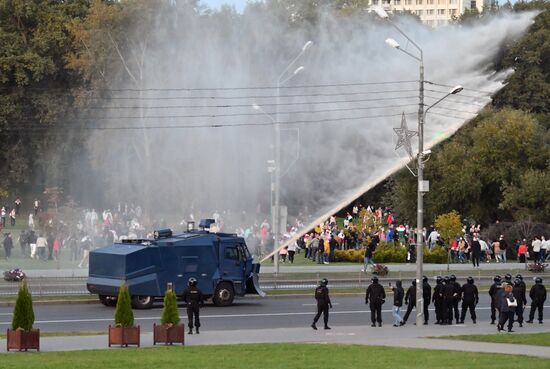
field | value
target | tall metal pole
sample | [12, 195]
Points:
[277, 182]
[420, 202]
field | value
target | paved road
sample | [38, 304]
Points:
[247, 313]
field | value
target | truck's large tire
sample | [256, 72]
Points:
[224, 294]
[142, 302]
[108, 300]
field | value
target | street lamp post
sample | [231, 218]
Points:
[281, 80]
[422, 186]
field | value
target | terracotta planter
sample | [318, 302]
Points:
[23, 340]
[168, 334]
[124, 336]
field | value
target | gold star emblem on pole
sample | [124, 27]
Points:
[404, 136]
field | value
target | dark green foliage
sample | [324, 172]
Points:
[390, 253]
[124, 316]
[23, 313]
[438, 255]
[170, 314]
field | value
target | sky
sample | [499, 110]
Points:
[239, 4]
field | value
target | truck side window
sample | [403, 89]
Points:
[231, 253]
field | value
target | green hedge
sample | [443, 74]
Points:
[390, 253]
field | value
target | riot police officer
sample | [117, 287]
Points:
[427, 296]
[410, 300]
[376, 296]
[470, 298]
[495, 287]
[449, 296]
[508, 278]
[437, 299]
[457, 297]
[194, 299]
[538, 297]
[323, 303]
[519, 295]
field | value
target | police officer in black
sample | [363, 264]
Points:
[495, 287]
[194, 299]
[376, 296]
[449, 295]
[519, 295]
[522, 284]
[457, 297]
[538, 297]
[470, 298]
[323, 303]
[508, 278]
[427, 296]
[437, 299]
[410, 300]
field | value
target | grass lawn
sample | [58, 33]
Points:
[267, 356]
[536, 339]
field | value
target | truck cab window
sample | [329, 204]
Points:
[231, 253]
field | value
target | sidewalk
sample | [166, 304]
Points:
[406, 337]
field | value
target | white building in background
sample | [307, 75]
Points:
[431, 12]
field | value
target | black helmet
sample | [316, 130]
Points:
[497, 279]
[470, 280]
[414, 282]
[438, 279]
[374, 279]
[538, 280]
[519, 276]
[508, 277]
[517, 282]
[192, 281]
[452, 277]
[446, 279]
[323, 282]
[424, 279]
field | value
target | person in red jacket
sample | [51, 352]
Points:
[522, 250]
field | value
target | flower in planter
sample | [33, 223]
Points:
[124, 316]
[23, 313]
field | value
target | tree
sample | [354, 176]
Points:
[449, 225]
[124, 316]
[170, 315]
[23, 313]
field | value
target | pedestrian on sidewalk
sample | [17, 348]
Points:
[508, 305]
[538, 297]
[398, 294]
[323, 303]
[376, 297]
[470, 298]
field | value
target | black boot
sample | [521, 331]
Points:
[197, 330]
[190, 331]
[327, 327]
[314, 326]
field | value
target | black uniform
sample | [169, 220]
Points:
[194, 299]
[323, 304]
[376, 296]
[410, 300]
[538, 297]
[456, 300]
[449, 296]
[495, 287]
[427, 296]
[519, 295]
[470, 298]
[437, 299]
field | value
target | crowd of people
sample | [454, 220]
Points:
[508, 299]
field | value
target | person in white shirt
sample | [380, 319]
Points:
[536, 245]
[545, 245]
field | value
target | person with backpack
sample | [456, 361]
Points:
[323, 303]
[376, 296]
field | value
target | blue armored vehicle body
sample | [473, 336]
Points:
[221, 263]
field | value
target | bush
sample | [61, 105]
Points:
[350, 256]
[390, 253]
[438, 255]
[23, 313]
[170, 314]
[124, 316]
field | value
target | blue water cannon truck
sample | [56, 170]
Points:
[220, 262]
